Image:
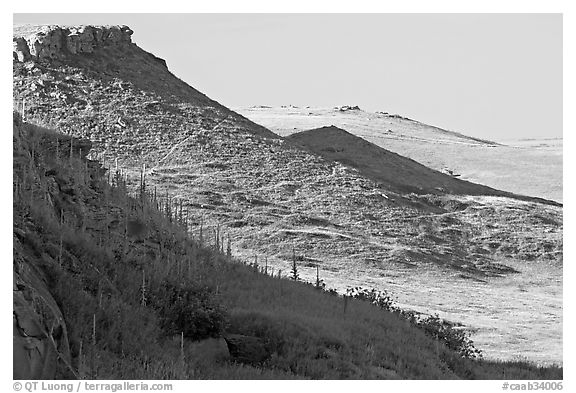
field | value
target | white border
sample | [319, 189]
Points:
[308, 6]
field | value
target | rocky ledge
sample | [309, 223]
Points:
[59, 41]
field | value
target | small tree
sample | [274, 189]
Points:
[294, 271]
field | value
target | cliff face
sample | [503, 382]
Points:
[57, 42]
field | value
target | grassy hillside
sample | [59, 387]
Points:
[268, 193]
[112, 286]
[503, 166]
[272, 198]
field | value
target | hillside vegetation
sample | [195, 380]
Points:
[111, 285]
[266, 192]
[266, 198]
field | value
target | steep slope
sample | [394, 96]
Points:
[102, 86]
[107, 286]
[267, 195]
[516, 166]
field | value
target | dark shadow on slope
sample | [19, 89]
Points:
[400, 174]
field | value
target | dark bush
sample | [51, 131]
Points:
[277, 333]
[193, 311]
[456, 339]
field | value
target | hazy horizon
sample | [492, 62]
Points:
[494, 76]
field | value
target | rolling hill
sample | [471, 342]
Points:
[275, 200]
[395, 172]
[522, 167]
[108, 285]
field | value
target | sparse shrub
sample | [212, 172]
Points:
[409, 315]
[381, 299]
[456, 339]
[191, 310]
[331, 291]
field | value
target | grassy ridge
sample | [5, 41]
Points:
[141, 299]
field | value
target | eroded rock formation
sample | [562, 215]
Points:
[57, 41]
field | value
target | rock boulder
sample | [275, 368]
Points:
[246, 349]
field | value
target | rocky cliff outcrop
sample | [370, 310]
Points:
[40, 334]
[58, 41]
